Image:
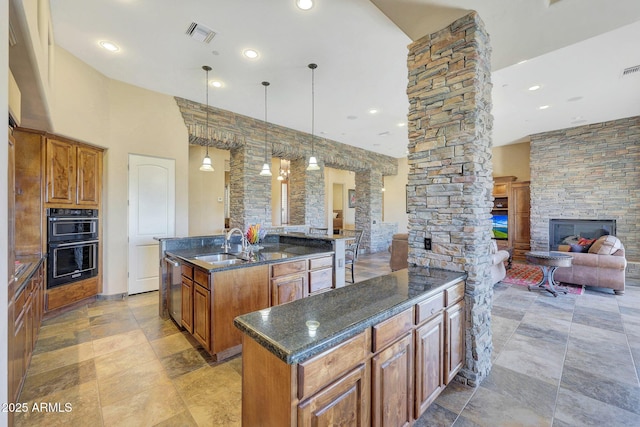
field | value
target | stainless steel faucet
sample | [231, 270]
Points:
[243, 240]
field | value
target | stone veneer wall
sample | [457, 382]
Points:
[250, 192]
[450, 170]
[587, 172]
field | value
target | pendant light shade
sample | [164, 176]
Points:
[266, 170]
[313, 162]
[206, 162]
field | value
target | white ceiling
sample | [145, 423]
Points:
[575, 48]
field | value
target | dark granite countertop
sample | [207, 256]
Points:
[342, 313]
[269, 253]
[28, 266]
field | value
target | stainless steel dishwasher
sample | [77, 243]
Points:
[174, 287]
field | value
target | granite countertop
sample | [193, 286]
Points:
[269, 253]
[342, 313]
[25, 267]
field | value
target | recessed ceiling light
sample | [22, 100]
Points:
[521, 62]
[304, 4]
[401, 124]
[534, 87]
[250, 53]
[373, 110]
[216, 83]
[543, 107]
[110, 46]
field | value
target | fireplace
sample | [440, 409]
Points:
[560, 229]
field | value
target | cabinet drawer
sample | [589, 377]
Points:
[285, 268]
[187, 270]
[386, 332]
[326, 261]
[320, 280]
[454, 293]
[429, 307]
[315, 373]
[201, 278]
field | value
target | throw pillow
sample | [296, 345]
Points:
[577, 248]
[606, 245]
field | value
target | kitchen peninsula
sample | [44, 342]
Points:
[374, 353]
[204, 285]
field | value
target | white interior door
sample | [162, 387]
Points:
[151, 214]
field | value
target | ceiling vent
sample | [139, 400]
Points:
[631, 70]
[200, 32]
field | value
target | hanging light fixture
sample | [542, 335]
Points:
[266, 170]
[313, 163]
[206, 162]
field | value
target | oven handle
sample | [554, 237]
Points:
[173, 262]
[73, 218]
[79, 242]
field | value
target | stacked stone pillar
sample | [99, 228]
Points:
[450, 170]
[251, 200]
[369, 208]
[306, 194]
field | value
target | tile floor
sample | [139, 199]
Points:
[566, 361]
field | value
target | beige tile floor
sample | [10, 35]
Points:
[557, 362]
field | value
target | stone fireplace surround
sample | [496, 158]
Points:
[588, 171]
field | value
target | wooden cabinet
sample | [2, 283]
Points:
[187, 304]
[73, 173]
[429, 362]
[392, 384]
[343, 403]
[25, 315]
[520, 224]
[512, 198]
[387, 375]
[293, 280]
[235, 292]
[202, 315]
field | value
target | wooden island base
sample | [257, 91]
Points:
[387, 374]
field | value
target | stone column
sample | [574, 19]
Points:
[450, 170]
[369, 208]
[250, 202]
[306, 194]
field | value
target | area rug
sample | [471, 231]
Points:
[526, 275]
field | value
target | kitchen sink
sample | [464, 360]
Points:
[216, 258]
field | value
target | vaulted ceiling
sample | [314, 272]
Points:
[575, 50]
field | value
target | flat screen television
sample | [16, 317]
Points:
[500, 230]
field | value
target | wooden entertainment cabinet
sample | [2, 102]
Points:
[512, 198]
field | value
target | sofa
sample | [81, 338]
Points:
[399, 251]
[498, 258]
[603, 265]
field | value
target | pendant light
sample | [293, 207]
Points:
[313, 163]
[206, 162]
[266, 170]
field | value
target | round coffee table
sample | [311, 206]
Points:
[548, 262]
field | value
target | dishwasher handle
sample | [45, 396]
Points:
[171, 261]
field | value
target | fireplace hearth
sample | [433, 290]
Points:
[560, 229]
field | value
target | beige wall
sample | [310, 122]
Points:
[206, 192]
[123, 119]
[394, 197]
[348, 180]
[512, 160]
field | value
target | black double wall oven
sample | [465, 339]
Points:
[72, 242]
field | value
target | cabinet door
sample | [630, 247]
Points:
[392, 383]
[187, 304]
[88, 185]
[320, 280]
[288, 288]
[521, 221]
[454, 358]
[429, 363]
[202, 315]
[61, 172]
[345, 402]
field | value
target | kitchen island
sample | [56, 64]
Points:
[206, 286]
[374, 353]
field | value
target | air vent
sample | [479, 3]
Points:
[200, 32]
[12, 36]
[631, 70]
